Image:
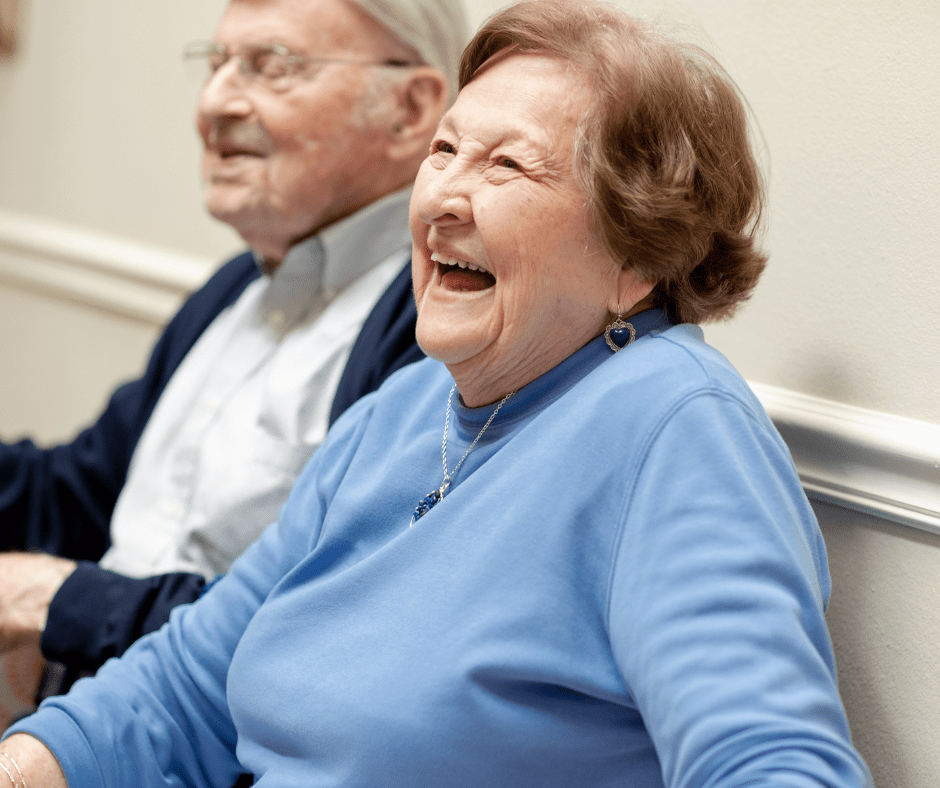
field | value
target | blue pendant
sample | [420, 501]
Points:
[619, 334]
[425, 505]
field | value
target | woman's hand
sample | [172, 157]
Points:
[28, 761]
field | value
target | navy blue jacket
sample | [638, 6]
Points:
[60, 499]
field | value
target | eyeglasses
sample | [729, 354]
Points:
[272, 65]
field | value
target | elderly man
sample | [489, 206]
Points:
[315, 117]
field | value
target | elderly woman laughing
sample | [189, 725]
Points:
[569, 549]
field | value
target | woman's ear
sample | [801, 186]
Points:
[422, 100]
[632, 294]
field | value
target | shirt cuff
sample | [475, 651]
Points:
[98, 614]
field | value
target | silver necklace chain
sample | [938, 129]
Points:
[436, 496]
[449, 476]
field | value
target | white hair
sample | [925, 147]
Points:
[437, 29]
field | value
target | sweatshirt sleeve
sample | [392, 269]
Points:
[161, 711]
[160, 715]
[716, 608]
[98, 614]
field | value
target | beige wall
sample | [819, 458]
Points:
[885, 623]
[96, 125]
[96, 132]
[48, 395]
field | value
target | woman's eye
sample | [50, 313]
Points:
[507, 163]
[442, 147]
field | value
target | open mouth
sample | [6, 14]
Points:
[231, 151]
[460, 275]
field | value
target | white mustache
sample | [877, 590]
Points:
[238, 134]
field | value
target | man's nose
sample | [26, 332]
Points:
[224, 92]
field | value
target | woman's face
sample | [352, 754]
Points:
[509, 280]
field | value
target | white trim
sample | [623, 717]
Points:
[876, 463]
[130, 278]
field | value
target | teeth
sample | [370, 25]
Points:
[444, 259]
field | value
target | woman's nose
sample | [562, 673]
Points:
[442, 196]
[224, 93]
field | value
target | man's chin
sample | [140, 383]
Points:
[233, 204]
[260, 229]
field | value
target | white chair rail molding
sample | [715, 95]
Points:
[104, 271]
[883, 465]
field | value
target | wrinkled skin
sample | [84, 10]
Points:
[499, 194]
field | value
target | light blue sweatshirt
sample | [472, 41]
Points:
[624, 586]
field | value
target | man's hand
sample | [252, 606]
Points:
[28, 581]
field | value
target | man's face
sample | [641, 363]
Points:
[278, 166]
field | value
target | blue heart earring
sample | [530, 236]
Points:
[619, 334]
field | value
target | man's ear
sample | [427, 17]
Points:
[422, 100]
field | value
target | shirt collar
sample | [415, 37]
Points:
[315, 270]
[356, 244]
[352, 246]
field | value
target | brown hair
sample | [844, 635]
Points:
[663, 154]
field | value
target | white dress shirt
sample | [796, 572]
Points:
[251, 401]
